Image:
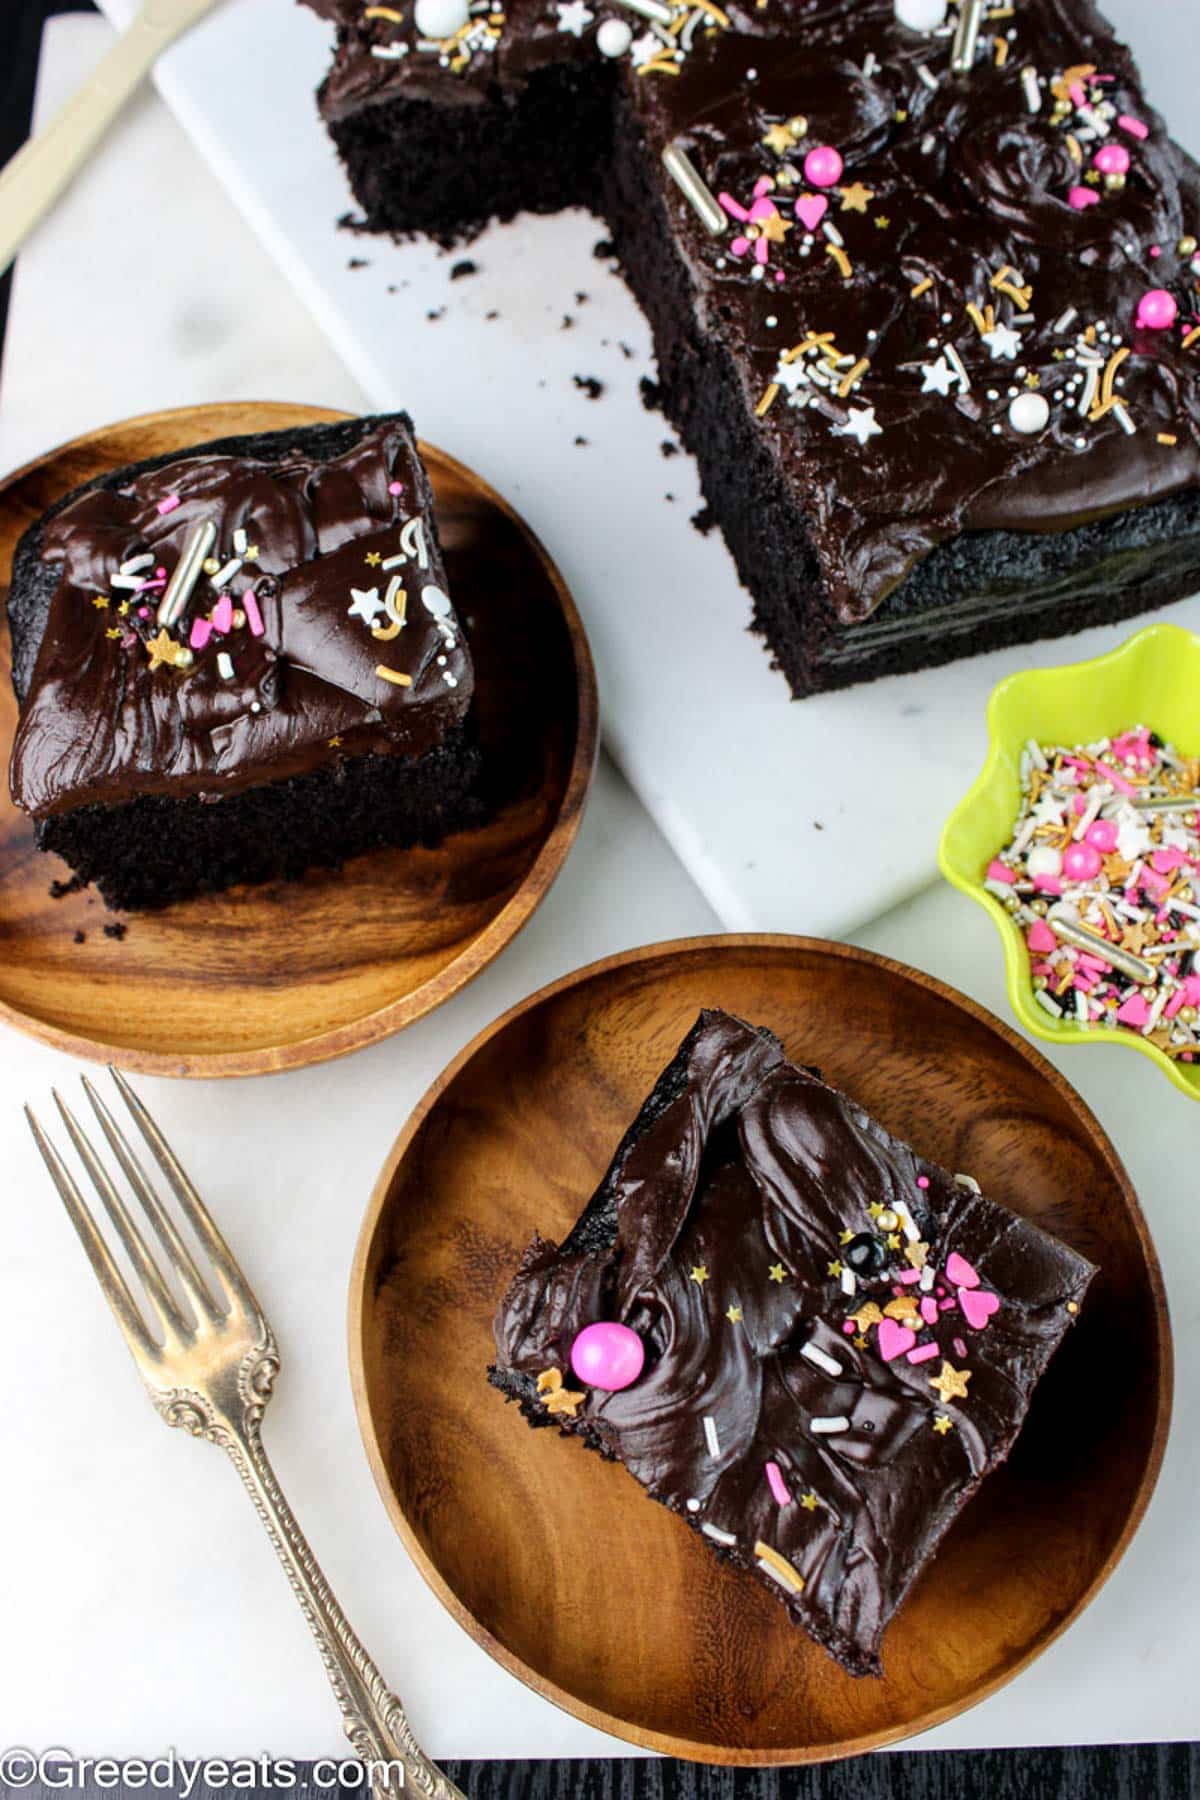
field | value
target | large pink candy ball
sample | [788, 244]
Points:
[1157, 310]
[823, 166]
[1103, 834]
[608, 1355]
[1112, 159]
[1081, 861]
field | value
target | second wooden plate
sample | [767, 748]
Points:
[556, 1561]
[274, 977]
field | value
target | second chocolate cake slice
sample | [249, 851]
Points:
[241, 660]
[795, 1332]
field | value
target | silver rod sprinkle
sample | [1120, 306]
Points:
[187, 572]
[684, 174]
[966, 38]
[649, 9]
[1144, 973]
[1167, 803]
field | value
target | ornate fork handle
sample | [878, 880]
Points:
[374, 1720]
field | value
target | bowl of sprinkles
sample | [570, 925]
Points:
[1081, 838]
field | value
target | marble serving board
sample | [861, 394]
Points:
[810, 816]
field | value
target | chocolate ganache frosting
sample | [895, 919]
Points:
[840, 1339]
[956, 299]
[319, 625]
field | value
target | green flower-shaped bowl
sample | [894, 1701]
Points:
[1154, 680]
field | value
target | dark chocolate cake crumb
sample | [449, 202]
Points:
[60, 889]
[589, 385]
[651, 394]
[704, 521]
[117, 930]
[581, 440]
[567, 322]
[627, 350]
[580, 299]
[603, 249]
[435, 313]
[463, 267]
[669, 448]
[80, 937]
[492, 314]
[358, 262]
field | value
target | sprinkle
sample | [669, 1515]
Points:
[135, 564]
[128, 583]
[717, 1535]
[1193, 337]
[764, 406]
[710, 1436]
[951, 1384]
[384, 12]
[254, 617]
[942, 1423]
[1031, 87]
[1167, 437]
[843, 262]
[777, 1484]
[225, 665]
[852, 375]
[1133, 126]
[687, 178]
[922, 287]
[849, 1283]
[922, 1353]
[693, 1506]
[926, 74]
[778, 1567]
[167, 504]
[1065, 318]
[698, 1273]
[966, 36]
[999, 51]
[814, 1354]
[393, 675]
[225, 575]
[829, 1425]
[187, 572]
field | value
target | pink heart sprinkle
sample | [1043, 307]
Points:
[894, 1339]
[960, 1271]
[1040, 938]
[978, 1306]
[811, 209]
[1081, 197]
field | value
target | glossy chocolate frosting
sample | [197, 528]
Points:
[950, 184]
[720, 1235]
[291, 680]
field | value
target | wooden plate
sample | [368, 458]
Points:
[554, 1560]
[275, 977]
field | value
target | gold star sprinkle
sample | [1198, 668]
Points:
[835, 1269]
[859, 1341]
[846, 1237]
[335, 743]
[916, 1255]
[951, 1384]
[882, 222]
[855, 197]
[558, 1399]
[779, 138]
[893, 1240]
[114, 631]
[903, 1307]
[100, 602]
[699, 1274]
[900, 115]
[775, 228]
[162, 649]
[123, 608]
[374, 557]
[809, 1501]
[734, 1315]
[867, 1315]
[776, 1272]
[942, 1423]
[875, 1209]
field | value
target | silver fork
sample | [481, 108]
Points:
[210, 1366]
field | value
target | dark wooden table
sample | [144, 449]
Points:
[1126, 1772]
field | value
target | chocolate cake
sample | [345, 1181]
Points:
[238, 661]
[796, 1332]
[924, 299]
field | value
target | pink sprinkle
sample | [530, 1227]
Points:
[777, 1484]
[922, 1181]
[1039, 937]
[848, 1327]
[200, 633]
[1166, 860]
[947, 1305]
[167, 504]
[394, 487]
[156, 581]
[1134, 1012]
[923, 1352]
[1155, 251]
[1133, 126]
[222, 614]
[1047, 884]
[908, 1276]
[1081, 198]
[254, 618]
[1077, 94]
[143, 612]
[998, 871]
[1174, 1003]
[960, 1349]
[929, 1310]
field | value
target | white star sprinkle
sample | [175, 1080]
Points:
[1002, 342]
[937, 377]
[860, 424]
[365, 604]
[791, 376]
[574, 16]
[644, 49]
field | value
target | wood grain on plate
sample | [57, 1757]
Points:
[275, 977]
[555, 1560]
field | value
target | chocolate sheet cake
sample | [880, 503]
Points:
[924, 299]
[798, 1334]
[239, 661]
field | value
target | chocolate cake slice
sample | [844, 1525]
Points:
[793, 1330]
[924, 300]
[238, 661]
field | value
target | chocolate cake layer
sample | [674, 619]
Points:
[833, 1340]
[303, 694]
[934, 328]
